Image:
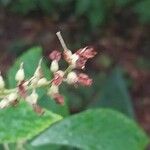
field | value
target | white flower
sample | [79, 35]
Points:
[74, 59]
[4, 103]
[37, 73]
[42, 81]
[32, 99]
[12, 97]
[20, 74]
[54, 66]
[72, 78]
[2, 83]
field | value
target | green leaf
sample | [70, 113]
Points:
[22, 123]
[99, 129]
[114, 94]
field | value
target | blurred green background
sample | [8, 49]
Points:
[117, 29]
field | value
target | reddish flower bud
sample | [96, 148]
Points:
[84, 79]
[86, 52]
[58, 98]
[58, 78]
[55, 55]
[80, 63]
[38, 109]
[22, 89]
[67, 55]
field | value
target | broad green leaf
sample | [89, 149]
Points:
[99, 129]
[114, 94]
[22, 123]
[31, 59]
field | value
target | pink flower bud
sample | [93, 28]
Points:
[58, 98]
[58, 78]
[84, 79]
[55, 55]
[67, 56]
[86, 52]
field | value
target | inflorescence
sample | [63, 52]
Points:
[26, 88]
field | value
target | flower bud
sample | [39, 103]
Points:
[72, 78]
[20, 74]
[67, 55]
[42, 82]
[38, 72]
[53, 90]
[32, 99]
[12, 97]
[54, 66]
[2, 83]
[74, 59]
[4, 103]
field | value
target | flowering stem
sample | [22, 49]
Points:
[61, 41]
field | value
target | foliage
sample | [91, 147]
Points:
[92, 129]
[114, 94]
[100, 129]
[21, 123]
[96, 12]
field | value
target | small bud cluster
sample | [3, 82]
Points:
[26, 89]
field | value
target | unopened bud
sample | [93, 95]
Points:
[42, 81]
[72, 78]
[2, 83]
[74, 59]
[53, 90]
[54, 66]
[12, 97]
[20, 74]
[32, 99]
[38, 73]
